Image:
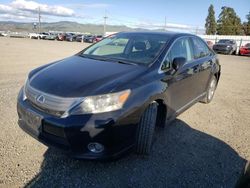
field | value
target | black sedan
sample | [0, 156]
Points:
[70, 37]
[89, 38]
[79, 38]
[107, 99]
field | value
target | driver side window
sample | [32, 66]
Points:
[180, 48]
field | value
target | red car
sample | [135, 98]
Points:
[98, 38]
[61, 36]
[245, 50]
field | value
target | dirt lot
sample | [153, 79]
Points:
[207, 146]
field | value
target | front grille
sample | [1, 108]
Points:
[51, 104]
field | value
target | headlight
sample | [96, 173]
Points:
[228, 46]
[101, 103]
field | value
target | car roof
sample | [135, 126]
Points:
[166, 33]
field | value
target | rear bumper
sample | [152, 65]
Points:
[74, 133]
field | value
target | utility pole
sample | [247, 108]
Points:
[39, 20]
[196, 30]
[105, 22]
[165, 24]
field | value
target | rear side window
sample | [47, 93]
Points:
[200, 48]
[181, 48]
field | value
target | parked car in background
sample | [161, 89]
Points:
[3, 34]
[225, 46]
[70, 37]
[210, 44]
[34, 35]
[80, 38]
[51, 37]
[18, 34]
[107, 99]
[61, 36]
[43, 35]
[98, 38]
[245, 50]
[89, 38]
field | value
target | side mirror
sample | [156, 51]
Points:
[178, 62]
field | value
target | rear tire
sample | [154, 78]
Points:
[145, 130]
[210, 90]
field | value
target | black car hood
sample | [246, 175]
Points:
[77, 76]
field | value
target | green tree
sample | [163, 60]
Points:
[246, 25]
[229, 23]
[210, 21]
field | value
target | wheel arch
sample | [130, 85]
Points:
[217, 75]
[161, 112]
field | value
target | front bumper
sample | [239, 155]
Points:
[114, 130]
[244, 52]
[222, 50]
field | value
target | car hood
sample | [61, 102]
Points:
[223, 44]
[77, 77]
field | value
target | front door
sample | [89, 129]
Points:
[184, 83]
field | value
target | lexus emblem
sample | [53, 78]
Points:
[40, 99]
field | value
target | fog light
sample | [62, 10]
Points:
[95, 147]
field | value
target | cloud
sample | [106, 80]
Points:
[11, 17]
[8, 12]
[33, 6]
[88, 5]
[22, 9]
[6, 9]
[96, 5]
[28, 9]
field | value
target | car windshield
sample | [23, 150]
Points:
[128, 47]
[226, 41]
[247, 45]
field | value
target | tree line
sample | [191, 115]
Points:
[228, 23]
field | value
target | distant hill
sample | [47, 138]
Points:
[64, 26]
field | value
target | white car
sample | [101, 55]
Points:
[33, 35]
[43, 35]
[4, 34]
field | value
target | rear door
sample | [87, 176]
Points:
[204, 57]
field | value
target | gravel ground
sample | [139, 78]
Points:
[207, 146]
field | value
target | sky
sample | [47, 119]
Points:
[140, 13]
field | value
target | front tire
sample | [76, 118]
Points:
[145, 130]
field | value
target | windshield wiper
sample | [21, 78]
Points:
[126, 62]
[116, 60]
[94, 57]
